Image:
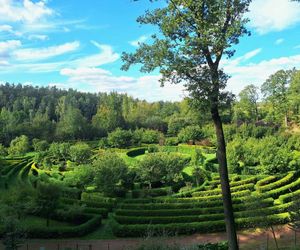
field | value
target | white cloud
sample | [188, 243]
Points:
[6, 28]
[6, 46]
[38, 37]
[256, 73]
[141, 39]
[99, 80]
[279, 41]
[44, 53]
[273, 15]
[25, 11]
[105, 56]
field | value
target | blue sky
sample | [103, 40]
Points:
[77, 44]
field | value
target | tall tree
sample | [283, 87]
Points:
[275, 90]
[247, 107]
[194, 36]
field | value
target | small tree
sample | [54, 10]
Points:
[120, 138]
[19, 145]
[40, 145]
[80, 153]
[46, 200]
[110, 173]
[190, 133]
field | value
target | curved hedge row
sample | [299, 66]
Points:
[195, 227]
[290, 177]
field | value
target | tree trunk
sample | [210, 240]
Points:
[223, 171]
[274, 237]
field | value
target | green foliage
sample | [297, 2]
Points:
[19, 146]
[3, 151]
[40, 145]
[80, 177]
[190, 133]
[60, 151]
[151, 136]
[111, 173]
[161, 167]
[175, 124]
[80, 152]
[46, 200]
[120, 138]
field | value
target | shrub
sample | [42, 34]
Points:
[162, 167]
[80, 152]
[171, 141]
[190, 133]
[120, 138]
[110, 173]
[40, 145]
[19, 146]
[3, 151]
[151, 136]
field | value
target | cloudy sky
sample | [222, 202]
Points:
[77, 44]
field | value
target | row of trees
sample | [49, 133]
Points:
[67, 115]
[280, 103]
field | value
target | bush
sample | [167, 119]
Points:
[3, 151]
[190, 133]
[161, 167]
[19, 146]
[110, 173]
[40, 145]
[171, 141]
[151, 136]
[80, 152]
[120, 138]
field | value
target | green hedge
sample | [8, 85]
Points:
[136, 152]
[200, 218]
[191, 228]
[89, 205]
[154, 192]
[250, 180]
[289, 197]
[184, 205]
[277, 184]
[90, 225]
[275, 193]
[265, 181]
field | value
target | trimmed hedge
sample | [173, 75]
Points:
[266, 181]
[154, 192]
[234, 190]
[184, 205]
[91, 224]
[136, 152]
[275, 193]
[288, 197]
[199, 218]
[195, 227]
[279, 183]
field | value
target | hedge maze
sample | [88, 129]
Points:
[257, 200]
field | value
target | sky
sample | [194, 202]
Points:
[78, 44]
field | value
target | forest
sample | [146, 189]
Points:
[213, 171]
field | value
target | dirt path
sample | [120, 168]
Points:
[249, 240]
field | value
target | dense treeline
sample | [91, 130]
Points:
[53, 114]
